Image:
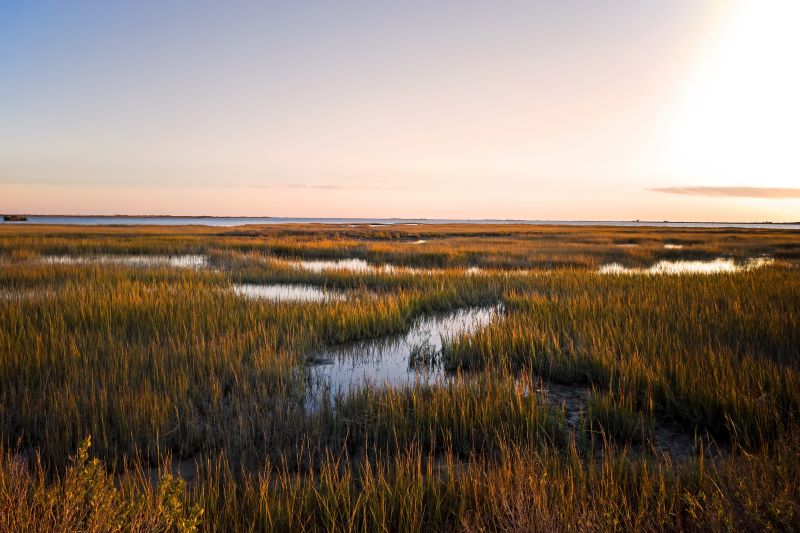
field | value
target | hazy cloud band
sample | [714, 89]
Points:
[739, 192]
[338, 187]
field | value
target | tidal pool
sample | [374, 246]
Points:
[386, 360]
[688, 267]
[321, 265]
[354, 265]
[362, 266]
[280, 292]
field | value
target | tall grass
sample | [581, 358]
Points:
[455, 246]
[717, 353]
[162, 364]
[413, 491]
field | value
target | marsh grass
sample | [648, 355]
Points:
[618, 417]
[455, 246]
[160, 364]
[716, 353]
[423, 355]
[414, 491]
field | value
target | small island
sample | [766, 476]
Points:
[14, 218]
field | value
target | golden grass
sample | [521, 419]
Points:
[157, 363]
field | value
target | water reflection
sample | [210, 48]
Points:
[175, 261]
[321, 265]
[362, 266]
[355, 265]
[286, 292]
[688, 267]
[386, 360]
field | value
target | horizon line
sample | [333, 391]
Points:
[435, 219]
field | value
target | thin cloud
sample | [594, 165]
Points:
[336, 187]
[737, 192]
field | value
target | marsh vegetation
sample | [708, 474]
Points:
[488, 378]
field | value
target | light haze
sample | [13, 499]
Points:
[576, 110]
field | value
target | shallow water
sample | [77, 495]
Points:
[385, 361]
[355, 265]
[175, 261]
[673, 246]
[362, 266]
[286, 292]
[688, 267]
[321, 265]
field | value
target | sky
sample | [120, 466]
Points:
[539, 110]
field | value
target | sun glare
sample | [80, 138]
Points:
[737, 123]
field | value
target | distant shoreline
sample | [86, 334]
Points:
[408, 219]
[229, 221]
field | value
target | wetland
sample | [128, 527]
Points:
[362, 377]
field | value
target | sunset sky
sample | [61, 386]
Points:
[573, 110]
